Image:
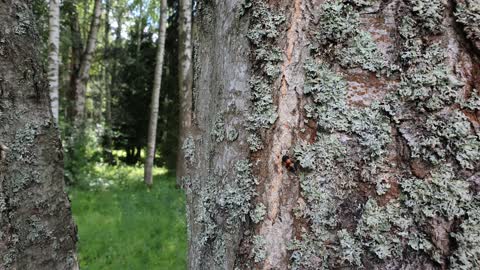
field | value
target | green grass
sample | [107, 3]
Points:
[122, 225]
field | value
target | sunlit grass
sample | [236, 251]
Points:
[123, 225]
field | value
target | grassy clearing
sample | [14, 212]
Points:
[122, 225]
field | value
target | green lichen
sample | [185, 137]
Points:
[259, 252]
[468, 14]
[258, 214]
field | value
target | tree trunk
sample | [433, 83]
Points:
[334, 135]
[37, 229]
[152, 126]
[107, 86]
[185, 76]
[81, 80]
[53, 55]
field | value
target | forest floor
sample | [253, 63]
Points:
[122, 225]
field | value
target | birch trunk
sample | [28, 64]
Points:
[375, 103]
[185, 76]
[152, 127]
[83, 75]
[53, 55]
[37, 229]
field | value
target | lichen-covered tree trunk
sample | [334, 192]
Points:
[375, 106]
[53, 57]
[37, 230]
[185, 77]
[155, 102]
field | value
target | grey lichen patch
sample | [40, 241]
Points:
[351, 250]
[258, 214]
[468, 14]
[467, 256]
[338, 22]
[263, 33]
[377, 224]
[255, 142]
[428, 13]
[328, 91]
[339, 29]
[236, 198]
[471, 103]
[229, 202]
[259, 252]
[362, 51]
[218, 131]
[232, 134]
[443, 196]
[427, 81]
[188, 148]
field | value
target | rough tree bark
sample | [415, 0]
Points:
[53, 55]
[377, 105]
[37, 229]
[152, 126]
[82, 60]
[185, 77]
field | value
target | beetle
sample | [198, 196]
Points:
[290, 164]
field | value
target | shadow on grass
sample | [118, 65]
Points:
[123, 225]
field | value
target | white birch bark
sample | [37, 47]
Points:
[152, 127]
[53, 51]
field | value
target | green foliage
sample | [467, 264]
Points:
[122, 225]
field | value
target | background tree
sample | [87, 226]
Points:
[31, 167]
[377, 101]
[152, 126]
[53, 57]
[185, 76]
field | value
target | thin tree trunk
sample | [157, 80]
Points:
[37, 229]
[107, 85]
[334, 135]
[185, 76]
[84, 70]
[152, 127]
[53, 55]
